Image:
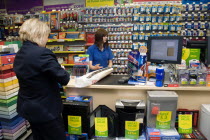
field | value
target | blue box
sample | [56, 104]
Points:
[87, 100]
[76, 137]
[162, 134]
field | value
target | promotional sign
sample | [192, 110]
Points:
[101, 127]
[98, 3]
[185, 123]
[50, 5]
[163, 120]
[23, 6]
[64, 6]
[74, 125]
[131, 130]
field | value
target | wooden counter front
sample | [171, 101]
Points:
[189, 97]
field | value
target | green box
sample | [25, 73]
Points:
[189, 54]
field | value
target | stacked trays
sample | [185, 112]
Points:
[12, 125]
[1, 136]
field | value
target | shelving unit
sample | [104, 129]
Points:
[67, 64]
[68, 51]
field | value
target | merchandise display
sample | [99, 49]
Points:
[130, 110]
[12, 126]
[157, 44]
[161, 102]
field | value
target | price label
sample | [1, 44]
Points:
[74, 125]
[131, 130]
[185, 123]
[101, 127]
[163, 120]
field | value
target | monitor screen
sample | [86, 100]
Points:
[165, 49]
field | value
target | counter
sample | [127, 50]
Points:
[107, 91]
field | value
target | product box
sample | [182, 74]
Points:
[196, 134]
[88, 100]
[90, 38]
[161, 103]
[204, 124]
[162, 134]
[54, 21]
[53, 36]
[77, 107]
[72, 35]
[7, 58]
[71, 58]
[190, 54]
[55, 47]
[81, 59]
[83, 136]
[74, 48]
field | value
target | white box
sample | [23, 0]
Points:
[204, 123]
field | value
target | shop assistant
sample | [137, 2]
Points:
[100, 54]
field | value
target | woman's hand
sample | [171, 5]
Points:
[97, 66]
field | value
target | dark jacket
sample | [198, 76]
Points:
[39, 73]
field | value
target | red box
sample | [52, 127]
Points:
[7, 58]
[90, 38]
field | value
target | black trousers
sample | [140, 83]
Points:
[52, 130]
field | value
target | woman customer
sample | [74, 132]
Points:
[39, 73]
[100, 54]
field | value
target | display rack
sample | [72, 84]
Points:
[130, 26]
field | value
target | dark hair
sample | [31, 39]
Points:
[100, 33]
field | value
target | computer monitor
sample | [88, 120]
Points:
[165, 49]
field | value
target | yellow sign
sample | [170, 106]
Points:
[101, 126]
[98, 3]
[185, 123]
[74, 125]
[164, 120]
[131, 129]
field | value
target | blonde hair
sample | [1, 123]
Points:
[35, 31]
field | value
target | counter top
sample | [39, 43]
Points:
[110, 82]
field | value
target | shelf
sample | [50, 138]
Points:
[68, 51]
[64, 40]
[139, 87]
[67, 64]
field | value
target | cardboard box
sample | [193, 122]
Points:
[55, 47]
[53, 36]
[7, 58]
[71, 58]
[190, 54]
[90, 38]
[162, 134]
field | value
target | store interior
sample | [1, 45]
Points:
[158, 87]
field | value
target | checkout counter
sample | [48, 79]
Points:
[108, 90]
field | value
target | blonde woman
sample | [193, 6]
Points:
[39, 73]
